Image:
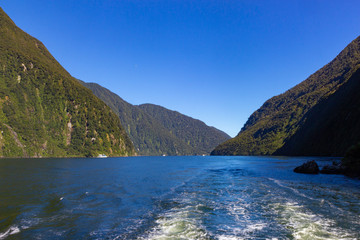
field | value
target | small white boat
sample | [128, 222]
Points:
[101, 156]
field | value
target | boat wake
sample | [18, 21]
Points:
[12, 230]
[179, 223]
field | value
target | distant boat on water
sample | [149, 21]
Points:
[101, 156]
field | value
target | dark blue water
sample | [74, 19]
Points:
[174, 198]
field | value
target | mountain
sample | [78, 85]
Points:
[44, 111]
[155, 130]
[330, 127]
[193, 132]
[319, 116]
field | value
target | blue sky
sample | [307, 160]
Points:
[217, 61]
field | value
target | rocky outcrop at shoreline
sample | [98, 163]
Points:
[337, 167]
[310, 167]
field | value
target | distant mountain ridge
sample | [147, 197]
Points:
[155, 130]
[44, 111]
[192, 131]
[319, 116]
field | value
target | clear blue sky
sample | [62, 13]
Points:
[217, 61]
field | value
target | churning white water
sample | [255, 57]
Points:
[163, 198]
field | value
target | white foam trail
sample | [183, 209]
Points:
[305, 225]
[225, 237]
[241, 212]
[246, 232]
[322, 201]
[178, 224]
[12, 230]
[292, 189]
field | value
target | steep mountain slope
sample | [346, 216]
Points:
[152, 136]
[330, 127]
[46, 112]
[192, 131]
[284, 121]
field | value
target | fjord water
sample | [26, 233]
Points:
[175, 198]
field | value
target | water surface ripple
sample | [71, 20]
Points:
[175, 198]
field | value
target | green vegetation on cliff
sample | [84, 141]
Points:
[316, 117]
[44, 111]
[155, 130]
[330, 127]
[192, 132]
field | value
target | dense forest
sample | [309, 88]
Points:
[44, 111]
[155, 130]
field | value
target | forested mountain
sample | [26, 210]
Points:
[155, 130]
[331, 126]
[193, 132]
[44, 111]
[319, 116]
